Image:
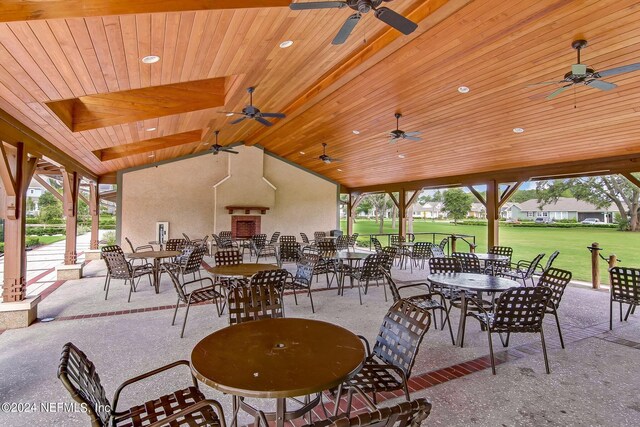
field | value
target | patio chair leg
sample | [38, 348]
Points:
[621, 312]
[106, 279]
[493, 362]
[107, 283]
[435, 322]
[313, 310]
[184, 322]
[544, 351]
[453, 341]
[175, 312]
[295, 297]
[626, 316]
[504, 344]
[132, 286]
[360, 293]
[384, 287]
[559, 330]
[610, 314]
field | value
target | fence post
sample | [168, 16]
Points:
[472, 248]
[453, 243]
[595, 265]
[613, 260]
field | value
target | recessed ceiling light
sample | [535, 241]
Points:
[150, 129]
[286, 44]
[339, 170]
[229, 114]
[518, 130]
[463, 89]
[356, 132]
[401, 156]
[151, 59]
[303, 153]
[205, 143]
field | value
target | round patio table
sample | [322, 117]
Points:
[491, 257]
[157, 256]
[277, 358]
[240, 270]
[470, 282]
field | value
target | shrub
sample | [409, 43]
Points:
[109, 238]
[45, 231]
[31, 241]
[2, 247]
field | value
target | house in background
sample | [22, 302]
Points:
[430, 210]
[33, 195]
[478, 211]
[563, 208]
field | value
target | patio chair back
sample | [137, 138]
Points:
[444, 265]
[532, 267]
[227, 235]
[117, 264]
[391, 252]
[304, 270]
[436, 252]
[443, 243]
[342, 243]
[371, 266]
[502, 250]
[353, 239]
[376, 244]
[319, 235]
[556, 280]
[193, 259]
[396, 239]
[326, 248]
[175, 244]
[305, 238]
[126, 239]
[274, 238]
[78, 375]
[625, 285]
[228, 257]
[287, 239]
[469, 262]
[552, 258]
[166, 268]
[270, 277]
[404, 414]
[401, 333]
[521, 309]
[186, 237]
[255, 302]
[289, 251]
[422, 250]
[221, 243]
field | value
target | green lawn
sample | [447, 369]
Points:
[528, 242]
[45, 240]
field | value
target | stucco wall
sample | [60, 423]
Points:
[191, 195]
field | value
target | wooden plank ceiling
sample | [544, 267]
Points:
[491, 46]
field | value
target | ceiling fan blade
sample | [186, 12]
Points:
[618, 70]
[412, 133]
[579, 69]
[543, 83]
[263, 121]
[558, 91]
[397, 21]
[412, 138]
[276, 115]
[238, 120]
[228, 150]
[317, 5]
[600, 84]
[346, 29]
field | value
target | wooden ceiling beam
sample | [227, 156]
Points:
[426, 13]
[154, 144]
[592, 167]
[21, 10]
[13, 132]
[115, 108]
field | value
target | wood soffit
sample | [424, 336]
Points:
[73, 77]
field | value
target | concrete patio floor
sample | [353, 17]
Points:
[594, 381]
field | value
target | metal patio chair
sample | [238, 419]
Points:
[469, 262]
[186, 407]
[255, 302]
[301, 281]
[556, 280]
[625, 289]
[523, 270]
[120, 268]
[403, 414]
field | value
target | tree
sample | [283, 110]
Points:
[364, 207]
[600, 191]
[50, 209]
[380, 203]
[437, 197]
[457, 203]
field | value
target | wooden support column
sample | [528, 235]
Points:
[70, 191]
[493, 213]
[94, 210]
[16, 170]
[402, 213]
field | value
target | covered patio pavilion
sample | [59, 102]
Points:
[133, 94]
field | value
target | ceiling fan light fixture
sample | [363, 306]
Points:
[518, 130]
[151, 59]
[303, 153]
[463, 89]
[229, 114]
[285, 44]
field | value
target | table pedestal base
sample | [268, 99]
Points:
[280, 416]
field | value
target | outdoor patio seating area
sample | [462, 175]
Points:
[125, 339]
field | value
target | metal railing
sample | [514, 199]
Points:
[435, 238]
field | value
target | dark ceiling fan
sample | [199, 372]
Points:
[582, 74]
[397, 135]
[386, 15]
[251, 112]
[324, 157]
[217, 148]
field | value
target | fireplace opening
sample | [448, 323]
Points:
[244, 226]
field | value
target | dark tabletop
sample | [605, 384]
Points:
[473, 282]
[276, 358]
[240, 270]
[351, 255]
[491, 257]
[154, 254]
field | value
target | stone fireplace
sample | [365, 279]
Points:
[244, 226]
